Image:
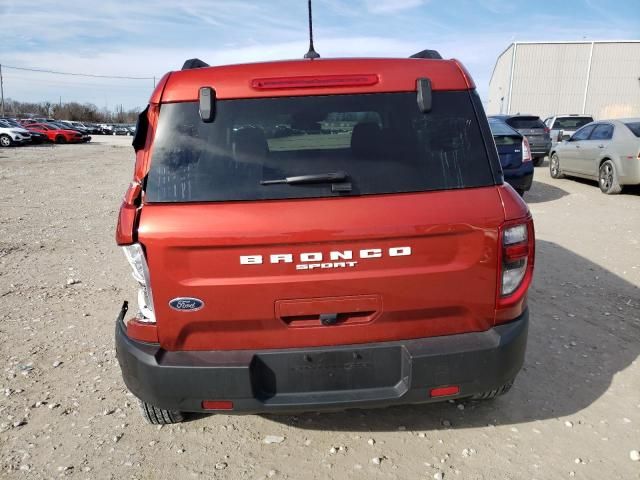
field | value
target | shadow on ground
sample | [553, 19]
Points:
[632, 190]
[585, 328]
[543, 192]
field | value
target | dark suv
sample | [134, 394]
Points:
[537, 133]
[320, 234]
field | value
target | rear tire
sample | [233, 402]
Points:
[554, 167]
[159, 416]
[538, 161]
[608, 179]
[520, 192]
[5, 141]
[60, 139]
[491, 394]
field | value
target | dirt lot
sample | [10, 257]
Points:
[64, 411]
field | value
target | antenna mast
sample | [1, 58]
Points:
[311, 53]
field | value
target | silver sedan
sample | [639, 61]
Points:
[606, 150]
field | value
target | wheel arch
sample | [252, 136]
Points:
[604, 159]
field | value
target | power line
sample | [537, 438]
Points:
[41, 70]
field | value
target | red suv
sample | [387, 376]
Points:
[320, 234]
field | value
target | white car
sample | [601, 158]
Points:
[607, 150]
[13, 135]
[561, 125]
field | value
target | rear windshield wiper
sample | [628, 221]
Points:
[331, 177]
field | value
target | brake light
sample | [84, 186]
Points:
[517, 254]
[546, 130]
[315, 81]
[526, 150]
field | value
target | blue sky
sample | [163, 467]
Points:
[140, 38]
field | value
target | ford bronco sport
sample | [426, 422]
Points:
[320, 234]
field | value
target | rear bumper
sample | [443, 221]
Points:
[520, 178]
[368, 375]
[540, 149]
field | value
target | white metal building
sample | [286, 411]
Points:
[601, 78]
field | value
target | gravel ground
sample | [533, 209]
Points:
[64, 411]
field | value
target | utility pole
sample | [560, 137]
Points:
[1, 93]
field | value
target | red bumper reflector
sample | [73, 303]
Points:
[444, 391]
[217, 405]
[314, 81]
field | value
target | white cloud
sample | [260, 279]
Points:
[390, 6]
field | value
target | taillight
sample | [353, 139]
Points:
[517, 256]
[526, 150]
[546, 130]
[138, 261]
[515, 250]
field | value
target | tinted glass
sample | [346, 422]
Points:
[571, 123]
[525, 122]
[634, 127]
[602, 132]
[501, 128]
[583, 133]
[382, 141]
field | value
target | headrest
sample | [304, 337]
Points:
[365, 139]
[250, 145]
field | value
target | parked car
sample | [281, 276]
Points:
[607, 150]
[515, 155]
[106, 128]
[536, 132]
[561, 125]
[56, 134]
[389, 265]
[36, 138]
[66, 125]
[121, 130]
[11, 135]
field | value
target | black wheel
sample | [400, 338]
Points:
[608, 179]
[159, 416]
[60, 139]
[520, 192]
[491, 394]
[5, 141]
[554, 167]
[537, 161]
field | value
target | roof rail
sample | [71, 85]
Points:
[194, 63]
[431, 54]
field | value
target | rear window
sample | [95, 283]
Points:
[499, 128]
[525, 122]
[634, 127]
[571, 123]
[382, 141]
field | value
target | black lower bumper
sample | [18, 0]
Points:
[368, 375]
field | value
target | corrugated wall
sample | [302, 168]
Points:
[550, 78]
[614, 84]
[499, 84]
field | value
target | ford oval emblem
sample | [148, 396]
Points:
[186, 304]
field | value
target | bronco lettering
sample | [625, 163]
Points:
[318, 257]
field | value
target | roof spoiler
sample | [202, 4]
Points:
[194, 63]
[430, 54]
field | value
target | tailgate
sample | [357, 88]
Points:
[316, 272]
[510, 155]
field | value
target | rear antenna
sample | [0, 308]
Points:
[311, 53]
